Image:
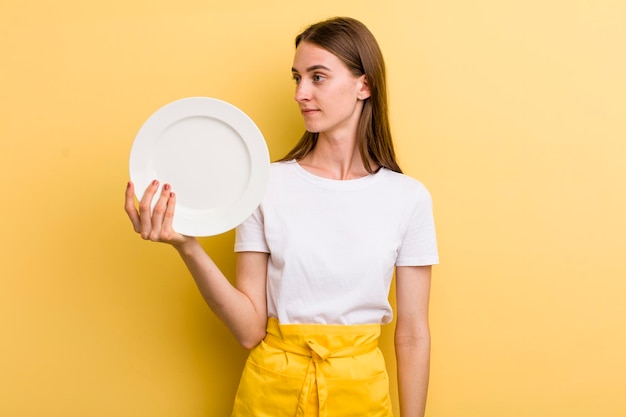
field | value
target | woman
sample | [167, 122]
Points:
[316, 259]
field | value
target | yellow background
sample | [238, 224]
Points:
[513, 113]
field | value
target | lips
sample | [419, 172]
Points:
[306, 112]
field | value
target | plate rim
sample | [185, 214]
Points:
[204, 222]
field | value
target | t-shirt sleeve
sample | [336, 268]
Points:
[250, 235]
[419, 244]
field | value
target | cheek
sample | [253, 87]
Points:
[347, 94]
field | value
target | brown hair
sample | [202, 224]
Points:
[353, 43]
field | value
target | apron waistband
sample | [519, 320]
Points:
[314, 375]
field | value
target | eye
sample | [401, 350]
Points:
[296, 78]
[318, 78]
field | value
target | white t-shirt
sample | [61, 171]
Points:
[333, 244]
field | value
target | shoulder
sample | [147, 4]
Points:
[403, 184]
[282, 177]
[281, 170]
[281, 167]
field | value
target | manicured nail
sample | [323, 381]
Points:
[128, 185]
[154, 182]
[166, 187]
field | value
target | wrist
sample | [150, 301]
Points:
[187, 246]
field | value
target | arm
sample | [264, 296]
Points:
[412, 338]
[243, 308]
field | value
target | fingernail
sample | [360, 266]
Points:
[128, 185]
[154, 182]
[166, 187]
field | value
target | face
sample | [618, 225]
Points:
[328, 94]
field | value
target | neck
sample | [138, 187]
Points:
[335, 158]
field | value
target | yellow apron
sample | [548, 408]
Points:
[306, 370]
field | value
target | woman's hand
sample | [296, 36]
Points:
[156, 225]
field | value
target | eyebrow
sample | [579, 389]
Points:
[313, 68]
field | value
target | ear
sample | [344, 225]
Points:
[364, 88]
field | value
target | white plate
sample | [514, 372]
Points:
[212, 154]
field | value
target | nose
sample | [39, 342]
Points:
[303, 92]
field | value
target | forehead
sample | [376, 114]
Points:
[309, 55]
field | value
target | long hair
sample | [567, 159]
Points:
[353, 43]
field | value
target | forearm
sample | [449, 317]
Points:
[413, 361]
[228, 303]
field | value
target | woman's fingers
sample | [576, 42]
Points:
[153, 223]
[168, 231]
[129, 207]
[145, 208]
[158, 213]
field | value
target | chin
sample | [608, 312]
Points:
[312, 129]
